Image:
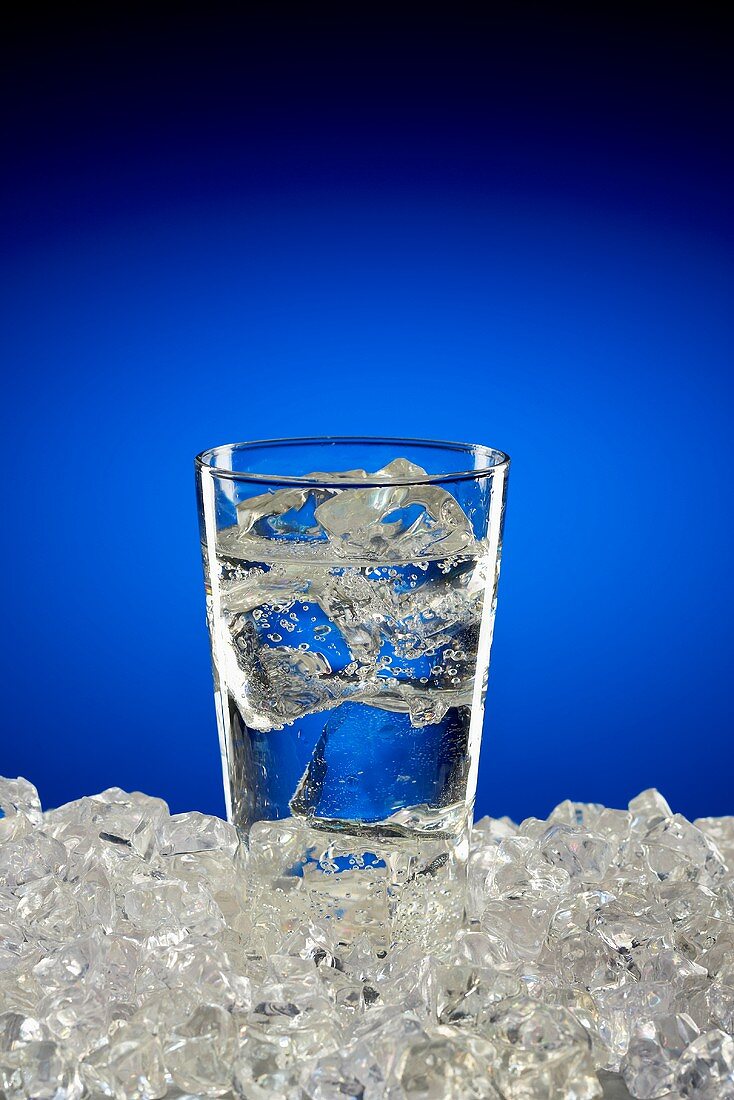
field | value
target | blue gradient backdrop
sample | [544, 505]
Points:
[517, 232]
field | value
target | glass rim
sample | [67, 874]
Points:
[490, 458]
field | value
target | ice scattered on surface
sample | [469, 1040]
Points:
[145, 955]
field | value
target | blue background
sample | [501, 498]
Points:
[517, 232]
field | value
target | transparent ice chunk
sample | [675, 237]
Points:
[580, 853]
[295, 683]
[405, 522]
[465, 994]
[154, 907]
[721, 831]
[621, 1008]
[648, 808]
[522, 870]
[200, 1051]
[270, 1061]
[543, 1052]
[130, 1065]
[705, 1070]
[16, 1030]
[31, 857]
[650, 1063]
[335, 1076]
[361, 766]
[288, 514]
[520, 923]
[129, 819]
[50, 912]
[577, 814]
[39, 1071]
[195, 832]
[677, 850]
[77, 1017]
[19, 805]
[447, 1065]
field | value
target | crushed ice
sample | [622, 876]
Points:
[599, 942]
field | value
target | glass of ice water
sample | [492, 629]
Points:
[351, 589]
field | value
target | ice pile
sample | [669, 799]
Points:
[134, 965]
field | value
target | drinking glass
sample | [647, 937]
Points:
[351, 589]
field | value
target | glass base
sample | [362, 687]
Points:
[394, 891]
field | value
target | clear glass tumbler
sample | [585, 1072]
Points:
[351, 590]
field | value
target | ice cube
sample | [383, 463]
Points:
[158, 907]
[431, 632]
[202, 967]
[705, 1070]
[677, 850]
[521, 923]
[577, 913]
[361, 607]
[16, 1030]
[582, 1007]
[130, 1066]
[269, 1067]
[19, 806]
[717, 999]
[40, 1071]
[490, 830]
[721, 831]
[630, 932]
[650, 1063]
[199, 1052]
[623, 1007]
[195, 832]
[396, 522]
[361, 767]
[31, 857]
[577, 814]
[648, 809]
[77, 1017]
[287, 514]
[583, 959]
[284, 514]
[542, 1050]
[465, 993]
[520, 870]
[582, 854]
[50, 912]
[449, 1065]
